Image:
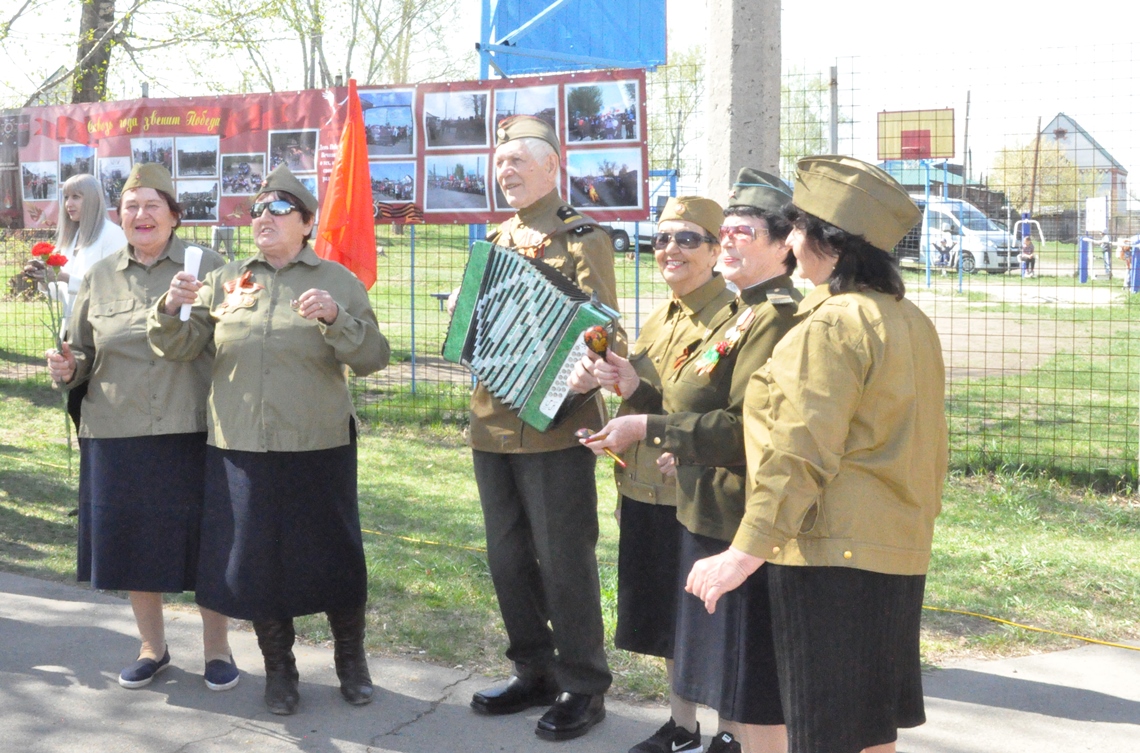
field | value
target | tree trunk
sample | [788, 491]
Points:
[94, 50]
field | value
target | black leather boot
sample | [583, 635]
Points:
[275, 638]
[348, 654]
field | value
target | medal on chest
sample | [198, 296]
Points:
[711, 357]
[240, 293]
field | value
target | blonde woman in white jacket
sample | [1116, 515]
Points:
[85, 235]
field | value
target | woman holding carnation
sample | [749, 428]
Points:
[142, 437]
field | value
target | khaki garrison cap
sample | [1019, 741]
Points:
[855, 196]
[697, 209]
[150, 175]
[526, 127]
[281, 178]
[760, 190]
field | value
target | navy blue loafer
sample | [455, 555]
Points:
[221, 674]
[143, 671]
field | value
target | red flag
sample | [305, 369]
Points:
[347, 232]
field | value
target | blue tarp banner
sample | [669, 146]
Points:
[626, 33]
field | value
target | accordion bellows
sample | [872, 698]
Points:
[518, 326]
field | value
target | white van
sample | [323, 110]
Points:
[982, 243]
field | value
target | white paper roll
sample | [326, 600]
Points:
[193, 261]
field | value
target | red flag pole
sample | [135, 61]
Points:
[347, 230]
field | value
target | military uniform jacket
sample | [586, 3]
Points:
[667, 330]
[279, 383]
[846, 438]
[703, 400]
[583, 254]
[131, 391]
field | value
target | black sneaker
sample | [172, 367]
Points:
[671, 739]
[724, 742]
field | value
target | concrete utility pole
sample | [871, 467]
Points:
[742, 82]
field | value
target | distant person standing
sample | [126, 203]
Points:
[1106, 251]
[1124, 253]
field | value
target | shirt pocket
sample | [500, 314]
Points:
[231, 326]
[644, 366]
[111, 320]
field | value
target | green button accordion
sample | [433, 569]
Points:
[518, 326]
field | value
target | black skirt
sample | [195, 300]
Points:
[648, 557]
[847, 650]
[281, 534]
[726, 660]
[140, 506]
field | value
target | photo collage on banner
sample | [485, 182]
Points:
[390, 132]
[430, 147]
[218, 150]
[433, 146]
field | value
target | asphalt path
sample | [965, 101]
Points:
[63, 646]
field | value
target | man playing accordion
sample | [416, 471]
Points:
[537, 489]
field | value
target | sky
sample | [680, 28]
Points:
[1017, 61]
[1015, 65]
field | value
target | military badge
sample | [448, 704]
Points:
[240, 292]
[711, 357]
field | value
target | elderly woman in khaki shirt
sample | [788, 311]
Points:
[142, 436]
[845, 434]
[724, 661]
[281, 529]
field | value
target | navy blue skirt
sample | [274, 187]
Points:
[648, 553]
[726, 660]
[847, 645]
[140, 506]
[281, 534]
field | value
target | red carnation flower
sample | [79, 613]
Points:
[56, 260]
[43, 248]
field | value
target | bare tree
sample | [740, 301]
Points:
[26, 7]
[237, 44]
[93, 57]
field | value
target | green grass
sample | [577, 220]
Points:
[1014, 545]
[1031, 550]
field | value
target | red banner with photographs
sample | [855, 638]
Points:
[430, 147]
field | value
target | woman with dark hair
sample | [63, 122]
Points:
[723, 661]
[281, 529]
[845, 433]
[84, 235]
[142, 435]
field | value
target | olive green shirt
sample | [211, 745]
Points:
[703, 425]
[586, 257]
[279, 382]
[665, 333]
[131, 392]
[845, 432]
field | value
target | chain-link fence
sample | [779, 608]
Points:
[1041, 356]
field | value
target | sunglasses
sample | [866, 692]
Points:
[742, 232]
[686, 239]
[277, 208]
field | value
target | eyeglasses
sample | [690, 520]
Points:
[686, 239]
[741, 232]
[277, 208]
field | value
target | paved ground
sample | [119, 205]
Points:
[62, 647]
